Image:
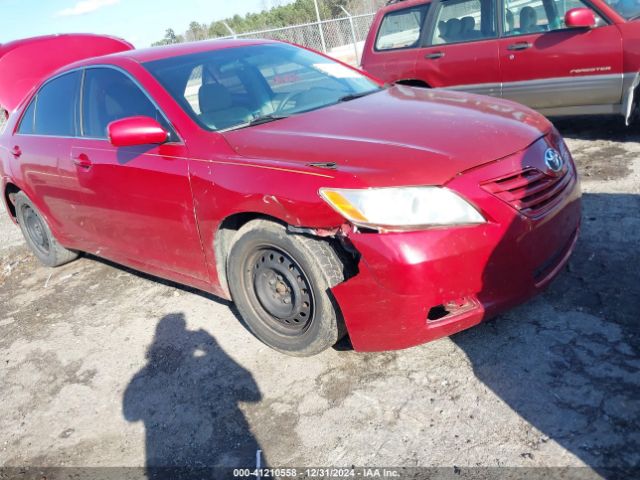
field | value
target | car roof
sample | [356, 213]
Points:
[167, 51]
[400, 4]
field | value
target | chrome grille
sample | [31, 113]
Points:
[531, 191]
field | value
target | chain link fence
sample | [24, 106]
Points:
[342, 38]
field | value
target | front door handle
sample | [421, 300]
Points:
[519, 46]
[82, 161]
[434, 55]
[16, 152]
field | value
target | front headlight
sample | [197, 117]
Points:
[402, 208]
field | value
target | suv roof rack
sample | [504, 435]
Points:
[391, 2]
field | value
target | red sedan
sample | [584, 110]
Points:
[319, 201]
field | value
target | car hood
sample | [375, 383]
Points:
[399, 136]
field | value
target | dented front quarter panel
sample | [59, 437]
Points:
[226, 184]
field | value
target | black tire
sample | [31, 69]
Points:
[268, 266]
[38, 235]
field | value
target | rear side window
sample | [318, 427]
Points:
[401, 28]
[54, 108]
[110, 95]
[28, 119]
[464, 21]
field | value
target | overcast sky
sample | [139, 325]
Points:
[138, 21]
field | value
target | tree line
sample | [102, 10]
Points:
[275, 14]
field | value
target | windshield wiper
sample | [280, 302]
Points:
[353, 96]
[271, 117]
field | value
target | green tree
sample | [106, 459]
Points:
[170, 37]
[284, 14]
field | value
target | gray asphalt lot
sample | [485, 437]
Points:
[101, 366]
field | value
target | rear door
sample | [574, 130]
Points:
[391, 56]
[43, 141]
[547, 65]
[136, 201]
[461, 47]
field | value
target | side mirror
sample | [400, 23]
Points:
[132, 131]
[580, 18]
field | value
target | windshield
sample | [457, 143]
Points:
[243, 86]
[627, 8]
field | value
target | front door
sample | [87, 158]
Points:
[137, 200]
[544, 64]
[461, 48]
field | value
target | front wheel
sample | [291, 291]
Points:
[280, 284]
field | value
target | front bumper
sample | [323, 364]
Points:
[413, 287]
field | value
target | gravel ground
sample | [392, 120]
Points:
[102, 366]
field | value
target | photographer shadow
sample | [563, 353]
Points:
[188, 398]
[569, 367]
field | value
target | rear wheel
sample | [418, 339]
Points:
[280, 284]
[38, 234]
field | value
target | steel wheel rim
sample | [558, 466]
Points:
[280, 291]
[36, 230]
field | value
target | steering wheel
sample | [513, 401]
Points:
[293, 95]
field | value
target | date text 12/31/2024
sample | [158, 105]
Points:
[311, 473]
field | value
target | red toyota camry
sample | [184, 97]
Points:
[319, 201]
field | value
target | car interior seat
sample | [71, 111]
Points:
[454, 30]
[511, 21]
[442, 30]
[528, 20]
[468, 25]
[118, 100]
[216, 105]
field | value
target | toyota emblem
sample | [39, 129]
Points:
[553, 160]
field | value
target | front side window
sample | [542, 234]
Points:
[537, 16]
[110, 95]
[464, 21]
[233, 87]
[53, 110]
[629, 9]
[401, 28]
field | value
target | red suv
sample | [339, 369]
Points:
[561, 57]
[319, 201]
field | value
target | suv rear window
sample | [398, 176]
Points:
[401, 28]
[464, 21]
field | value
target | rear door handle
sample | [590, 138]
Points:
[16, 152]
[519, 46]
[434, 55]
[82, 161]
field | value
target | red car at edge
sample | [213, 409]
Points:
[560, 57]
[321, 202]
